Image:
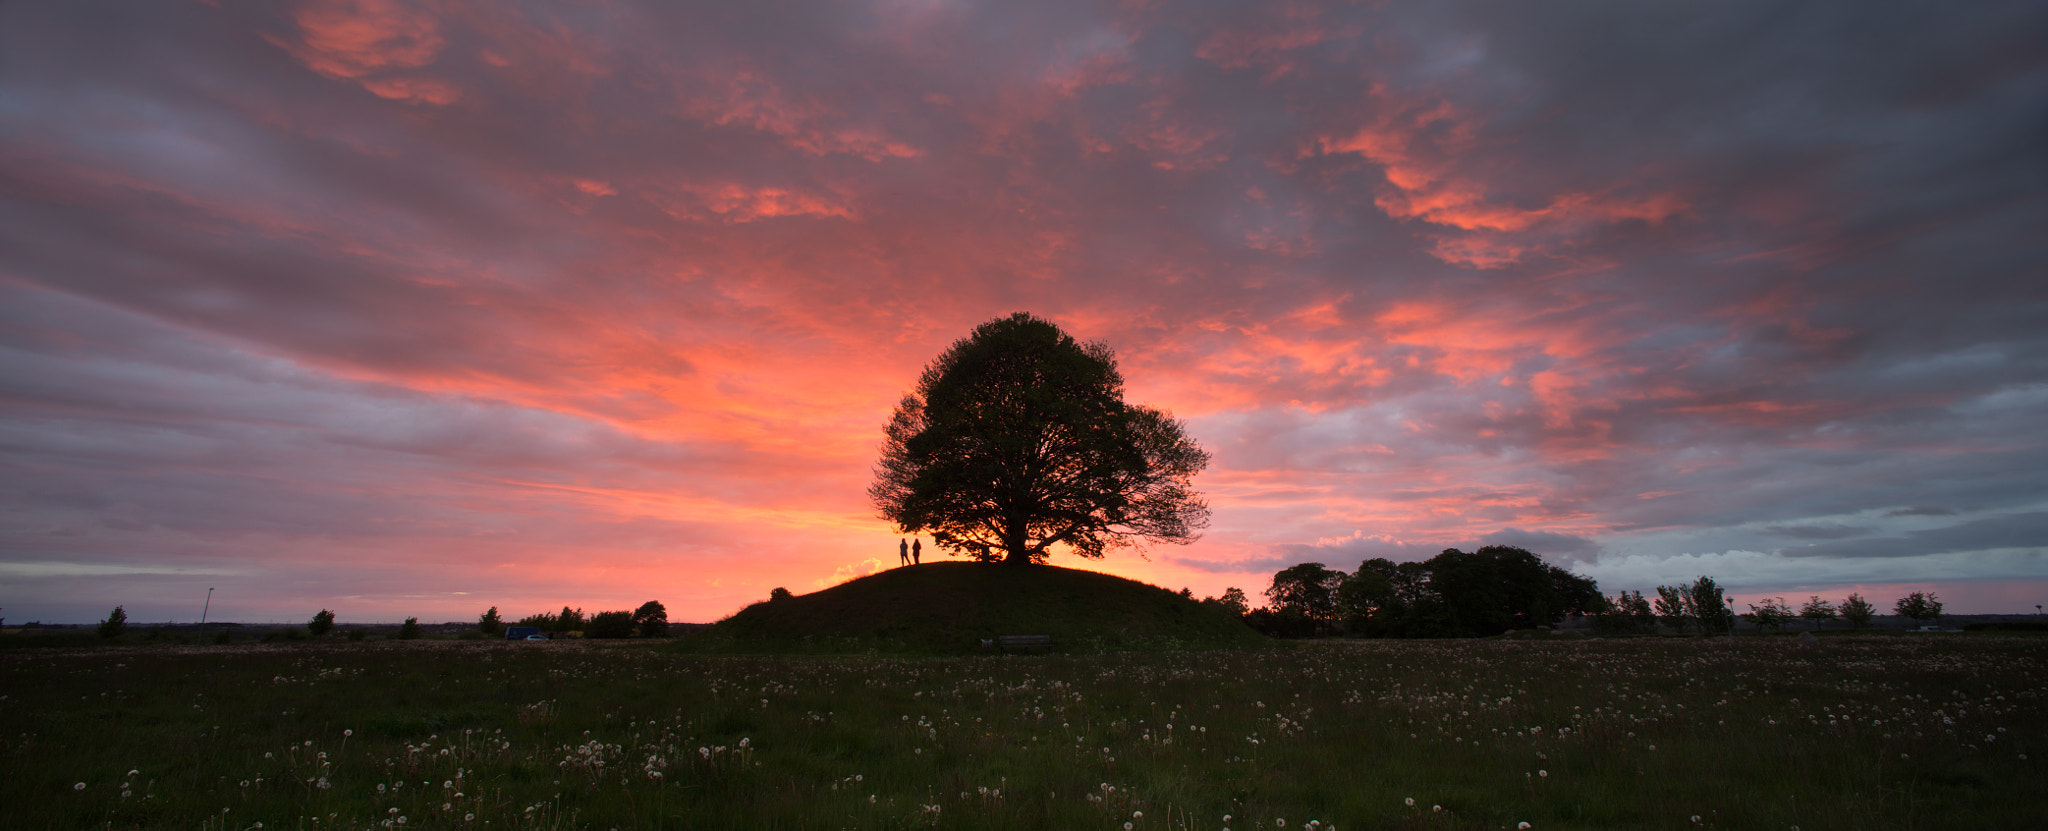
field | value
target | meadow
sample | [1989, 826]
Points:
[1862, 731]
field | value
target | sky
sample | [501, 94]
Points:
[415, 309]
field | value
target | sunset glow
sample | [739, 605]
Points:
[412, 309]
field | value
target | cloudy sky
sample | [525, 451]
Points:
[417, 308]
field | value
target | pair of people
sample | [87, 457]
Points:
[908, 552]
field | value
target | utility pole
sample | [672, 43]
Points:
[202, 615]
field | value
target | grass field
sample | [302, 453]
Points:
[1897, 732]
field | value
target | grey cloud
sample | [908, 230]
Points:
[1549, 545]
[2022, 530]
[1921, 510]
[1818, 532]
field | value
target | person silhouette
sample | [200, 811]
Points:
[902, 552]
[915, 548]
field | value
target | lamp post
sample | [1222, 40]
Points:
[1731, 621]
[202, 615]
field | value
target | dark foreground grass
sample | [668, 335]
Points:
[1895, 733]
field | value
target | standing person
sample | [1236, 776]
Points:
[902, 552]
[915, 548]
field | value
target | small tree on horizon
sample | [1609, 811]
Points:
[1671, 608]
[611, 625]
[1017, 439]
[570, 620]
[321, 624]
[115, 624]
[1857, 611]
[652, 619]
[1772, 613]
[410, 630]
[1920, 606]
[1817, 610]
[1232, 601]
[490, 623]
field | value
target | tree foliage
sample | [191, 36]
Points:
[321, 624]
[1017, 439]
[490, 623]
[611, 625]
[1233, 601]
[651, 619]
[1920, 606]
[1455, 593]
[410, 630]
[1857, 611]
[1817, 610]
[115, 624]
[1769, 614]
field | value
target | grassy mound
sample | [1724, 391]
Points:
[948, 608]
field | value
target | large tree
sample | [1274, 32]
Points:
[1017, 439]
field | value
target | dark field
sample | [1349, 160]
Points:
[1863, 731]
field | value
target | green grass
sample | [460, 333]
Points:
[948, 608]
[1860, 732]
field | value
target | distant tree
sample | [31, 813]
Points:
[652, 619]
[617, 624]
[1627, 613]
[1365, 595]
[1232, 601]
[321, 624]
[570, 620]
[1857, 611]
[1308, 590]
[490, 623]
[1017, 439]
[545, 621]
[1817, 610]
[1708, 607]
[1771, 614]
[779, 593]
[1920, 606]
[1671, 608]
[410, 630]
[115, 624]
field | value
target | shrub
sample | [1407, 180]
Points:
[779, 593]
[411, 629]
[321, 623]
[115, 624]
[490, 623]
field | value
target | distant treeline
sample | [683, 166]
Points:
[648, 621]
[1498, 588]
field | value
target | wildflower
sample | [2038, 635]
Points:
[1137, 815]
[468, 817]
[81, 786]
[1543, 773]
[1410, 801]
[1128, 826]
[1522, 826]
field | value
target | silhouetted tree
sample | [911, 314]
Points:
[1857, 611]
[1920, 606]
[617, 624]
[1363, 597]
[1817, 610]
[779, 593]
[1018, 439]
[1671, 608]
[115, 624]
[1770, 613]
[1232, 601]
[570, 620]
[490, 623]
[410, 630]
[652, 619]
[1627, 613]
[1309, 590]
[321, 624]
[1707, 606]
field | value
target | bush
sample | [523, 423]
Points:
[652, 618]
[411, 629]
[321, 624]
[115, 624]
[490, 623]
[617, 624]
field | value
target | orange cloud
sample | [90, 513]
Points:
[1425, 150]
[365, 41]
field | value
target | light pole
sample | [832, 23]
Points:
[202, 615]
[1731, 621]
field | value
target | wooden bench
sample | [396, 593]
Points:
[1012, 642]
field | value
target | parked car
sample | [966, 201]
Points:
[525, 633]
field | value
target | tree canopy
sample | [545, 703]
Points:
[1017, 439]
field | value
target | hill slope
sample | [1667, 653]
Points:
[947, 608]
